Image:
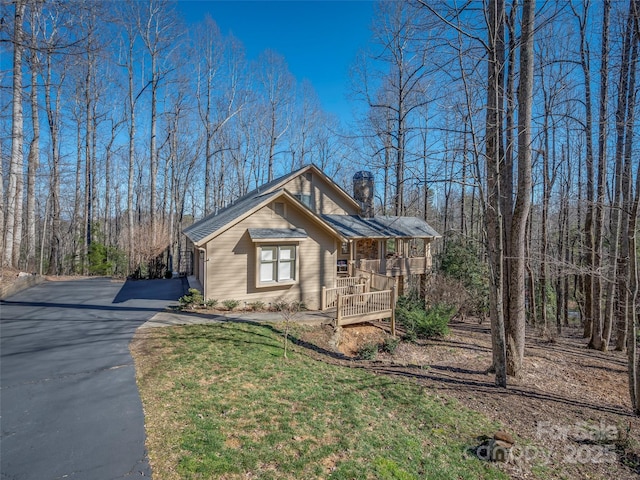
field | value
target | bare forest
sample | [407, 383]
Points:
[509, 125]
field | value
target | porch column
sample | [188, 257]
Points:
[352, 257]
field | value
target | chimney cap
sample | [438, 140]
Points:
[363, 175]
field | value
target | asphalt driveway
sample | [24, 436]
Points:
[69, 404]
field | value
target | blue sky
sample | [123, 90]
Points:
[318, 38]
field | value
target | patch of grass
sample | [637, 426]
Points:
[221, 402]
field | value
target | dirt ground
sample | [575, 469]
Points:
[9, 275]
[570, 412]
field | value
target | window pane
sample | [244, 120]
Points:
[287, 253]
[267, 272]
[285, 272]
[267, 254]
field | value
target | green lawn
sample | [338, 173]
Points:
[222, 402]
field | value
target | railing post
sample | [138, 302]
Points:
[365, 283]
[393, 311]
[339, 310]
[323, 299]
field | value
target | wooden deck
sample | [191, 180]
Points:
[364, 307]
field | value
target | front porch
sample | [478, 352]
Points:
[385, 245]
[395, 257]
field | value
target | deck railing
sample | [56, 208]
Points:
[347, 281]
[397, 265]
[377, 281]
[330, 295]
[364, 307]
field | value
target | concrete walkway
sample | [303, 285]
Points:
[166, 318]
[169, 318]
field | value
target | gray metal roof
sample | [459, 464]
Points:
[279, 233]
[382, 226]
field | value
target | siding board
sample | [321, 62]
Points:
[231, 269]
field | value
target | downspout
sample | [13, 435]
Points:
[203, 252]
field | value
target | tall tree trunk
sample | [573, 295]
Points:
[618, 293]
[506, 170]
[131, 105]
[588, 251]
[493, 216]
[78, 224]
[400, 164]
[632, 330]
[387, 166]
[153, 158]
[53, 109]
[89, 161]
[463, 229]
[34, 160]
[13, 224]
[515, 327]
[425, 179]
[597, 340]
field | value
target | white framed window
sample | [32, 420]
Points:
[305, 199]
[277, 264]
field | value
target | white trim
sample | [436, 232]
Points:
[277, 263]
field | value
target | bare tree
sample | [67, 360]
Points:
[127, 59]
[515, 327]
[277, 87]
[597, 340]
[55, 45]
[617, 292]
[218, 92]
[632, 204]
[157, 29]
[34, 147]
[402, 74]
[13, 225]
[493, 215]
[588, 250]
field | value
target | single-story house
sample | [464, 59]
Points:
[292, 236]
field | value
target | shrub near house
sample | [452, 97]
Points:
[420, 321]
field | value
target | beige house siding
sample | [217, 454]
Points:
[232, 260]
[325, 199]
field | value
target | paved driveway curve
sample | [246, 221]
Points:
[69, 404]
